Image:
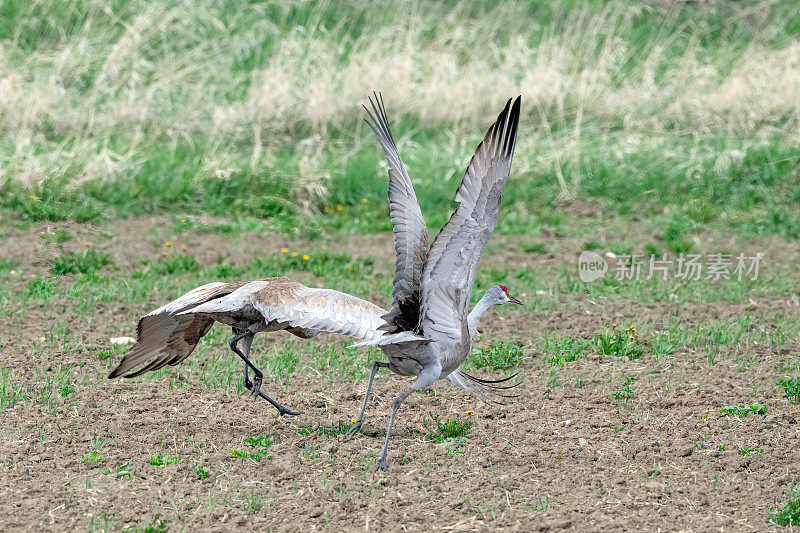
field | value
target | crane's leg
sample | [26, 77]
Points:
[376, 365]
[247, 342]
[257, 375]
[428, 376]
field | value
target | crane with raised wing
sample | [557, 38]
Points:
[429, 331]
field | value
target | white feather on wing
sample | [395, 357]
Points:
[324, 310]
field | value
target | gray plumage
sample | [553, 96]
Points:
[429, 329]
[410, 233]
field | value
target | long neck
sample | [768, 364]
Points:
[475, 316]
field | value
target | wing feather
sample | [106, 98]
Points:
[321, 310]
[169, 338]
[410, 233]
[453, 260]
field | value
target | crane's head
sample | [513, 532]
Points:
[499, 295]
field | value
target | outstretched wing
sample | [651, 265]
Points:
[291, 304]
[410, 234]
[163, 337]
[454, 257]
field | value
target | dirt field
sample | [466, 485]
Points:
[575, 451]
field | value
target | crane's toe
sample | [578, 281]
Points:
[286, 411]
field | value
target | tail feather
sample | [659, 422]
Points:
[483, 389]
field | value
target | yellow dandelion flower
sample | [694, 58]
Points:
[284, 250]
[294, 254]
[163, 253]
[734, 217]
[32, 197]
[306, 257]
[613, 325]
[354, 420]
[364, 201]
[349, 269]
[468, 412]
[339, 207]
[183, 220]
[631, 337]
[633, 328]
[167, 244]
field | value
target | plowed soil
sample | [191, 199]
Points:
[561, 456]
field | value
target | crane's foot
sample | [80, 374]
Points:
[258, 379]
[282, 409]
[382, 464]
[354, 429]
[286, 411]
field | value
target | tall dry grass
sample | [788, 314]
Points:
[87, 88]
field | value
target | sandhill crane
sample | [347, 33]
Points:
[429, 332]
[169, 334]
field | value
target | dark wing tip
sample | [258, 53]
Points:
[378, 120]
[510, 138]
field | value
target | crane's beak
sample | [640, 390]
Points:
[513, 300]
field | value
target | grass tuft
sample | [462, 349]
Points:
[741, 411]
[498, 356]
[791, 389]
[789, 514]
[84, 262]
[164, 460]
[448, 430]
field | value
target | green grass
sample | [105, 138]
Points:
[747, 450]
[259, 449]
[152, 526]
[618, 343]
[93, 458]
[791, 389]
[340, 428]
[60, 235]
[789, 514]
[562, 350]
[163, 460]
[624, 391]
[498, 356]
[741, 411]
[448, 430]
[202, 472]
[42, 288]
[99, 137]
[84, 262]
